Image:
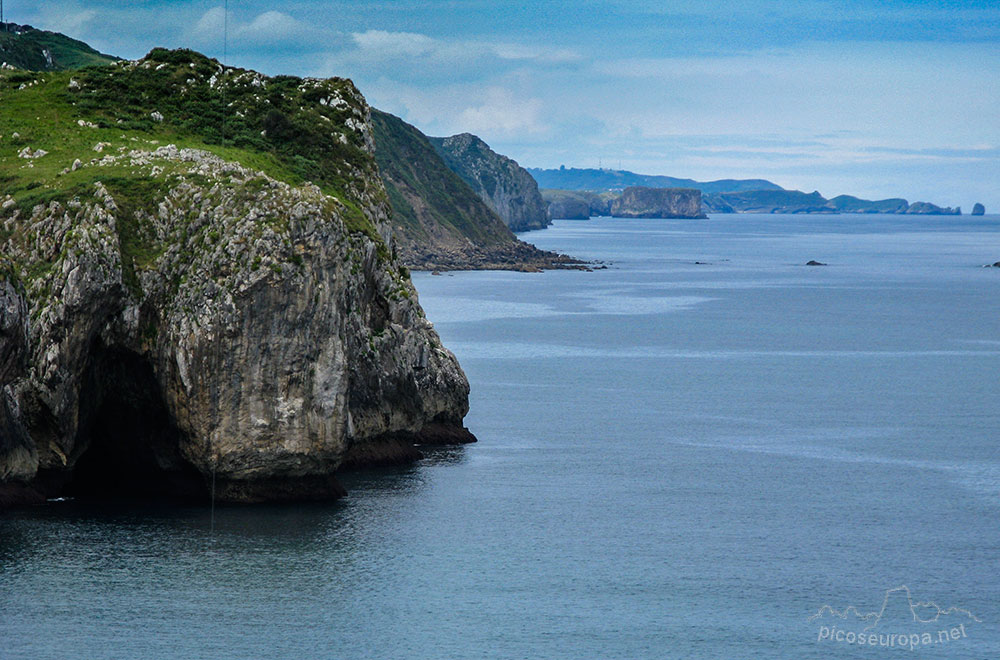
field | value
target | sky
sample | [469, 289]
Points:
[875, 98]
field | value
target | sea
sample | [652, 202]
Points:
[701, 448]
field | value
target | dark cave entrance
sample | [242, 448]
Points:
[128, 445]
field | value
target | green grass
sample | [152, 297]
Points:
[120, 100]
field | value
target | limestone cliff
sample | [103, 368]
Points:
[578, 204]
[439, 222]
[505, 186]
[639, 202]
[170, 316]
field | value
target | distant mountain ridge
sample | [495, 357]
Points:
[604, 179]
[25, 47]
[795, 201]
[575, 193]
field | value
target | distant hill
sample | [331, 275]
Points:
[24, 47]
[795, 201]
[600, 180]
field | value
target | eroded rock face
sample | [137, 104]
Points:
[640, 202]
[238, 329]
[506, 187]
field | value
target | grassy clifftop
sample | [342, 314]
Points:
[293, 129]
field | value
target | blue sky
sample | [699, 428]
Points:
[872, 98]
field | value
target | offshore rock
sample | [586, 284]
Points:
[978, 209]
[640, 202]
[231, 327]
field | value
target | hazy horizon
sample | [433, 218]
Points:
[873, 99]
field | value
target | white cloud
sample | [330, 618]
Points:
[396, 44]
[270, 28]
[503, 113]
[72, 20]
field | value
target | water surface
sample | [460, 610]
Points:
[686, 454]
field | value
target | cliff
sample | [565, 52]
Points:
[439, 222]
[578, 204]
[505, 186]
[174, 314]
[638, 202]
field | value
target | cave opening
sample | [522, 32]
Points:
[127, 445]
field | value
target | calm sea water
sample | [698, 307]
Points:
[676, 460]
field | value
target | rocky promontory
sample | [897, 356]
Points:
[505, 186]
[172, 318]
[439, 221]
[640, 202]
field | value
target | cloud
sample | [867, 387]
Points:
[504, 114]
[71, 19]
[396, 44]
[275, 30]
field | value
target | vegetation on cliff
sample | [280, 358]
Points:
[197, 278]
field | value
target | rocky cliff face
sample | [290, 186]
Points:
[505, 186]
[639, 202]
[170, 318]
[578, 204]
[439, 222]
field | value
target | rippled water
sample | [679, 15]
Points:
[676, 459]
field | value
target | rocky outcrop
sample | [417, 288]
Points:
[439, 222]
[261, 342]
[506, 187]
[170, 319]
[639, 202]
[569, 208]
[978, 209]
